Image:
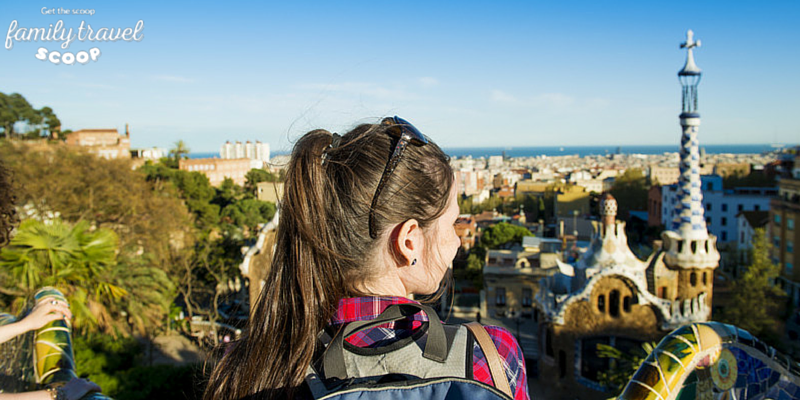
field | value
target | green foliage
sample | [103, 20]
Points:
[117, 366]
[248, 213]
[754, 179]
[753, 302]
[630, 190]
[623, 365]
[74, 259]
[193, 187]
[102, 358]
[255, 176]
[503, 233]
[15, 108]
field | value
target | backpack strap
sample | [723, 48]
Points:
[436, 346]
[492, 357]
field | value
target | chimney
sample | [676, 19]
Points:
[127, 132]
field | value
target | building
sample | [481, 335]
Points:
[611, 297]
[153, 153]
[217, 169]
[571, 200]
[784, 215]
[654, 206]
[106, 143]
[664, 175]
[747, 222]
[269, 191]
[253, 151]
[511, 277]
[467, 231]
[721, 206]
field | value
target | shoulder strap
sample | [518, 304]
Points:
[492, 357]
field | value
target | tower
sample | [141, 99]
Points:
[689, 248]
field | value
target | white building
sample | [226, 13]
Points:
[721, 206]
[258, 152]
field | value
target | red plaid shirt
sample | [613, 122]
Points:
[367, 308]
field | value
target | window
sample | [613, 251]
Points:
[790, 224]
[500, 299]
[739, 208]
[626, 304]
[708, 206]
[613, 303]
[708, 220]
[705, 278]
[724, 207]
[724, 222]
[777, 219]
[527, 297]
[757, 208]
[789, 246]
[724, 234]
[693, 279]
[776, 241]
[741, 238]
[601, 303]
[789, 267]
[710, 186]
[662, 292]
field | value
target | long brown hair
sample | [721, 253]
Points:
[324, 251]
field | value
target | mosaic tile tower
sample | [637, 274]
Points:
[689, 248]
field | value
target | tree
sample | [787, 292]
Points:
[72, 258]
[503, 233]
[179, 151]
[630, 191]
[14, 108]
[753, 296]
[256, 176]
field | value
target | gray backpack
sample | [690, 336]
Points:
[435, 362]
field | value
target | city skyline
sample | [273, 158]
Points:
[513, 74]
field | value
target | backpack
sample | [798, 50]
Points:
[434, 362]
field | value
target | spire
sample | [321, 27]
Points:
[689, 221]
[687, 241]
[608, 210]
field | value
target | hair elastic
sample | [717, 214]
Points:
[335, 140]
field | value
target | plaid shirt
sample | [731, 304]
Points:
[367, 308]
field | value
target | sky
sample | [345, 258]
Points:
[467, 74]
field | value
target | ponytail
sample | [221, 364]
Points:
[324, 251]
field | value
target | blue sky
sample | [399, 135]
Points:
[466, 73]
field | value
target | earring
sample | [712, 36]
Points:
[414, 262]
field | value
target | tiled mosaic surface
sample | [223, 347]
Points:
[713, 361]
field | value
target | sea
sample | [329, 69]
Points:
[581, 151]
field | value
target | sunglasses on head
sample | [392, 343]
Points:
[405, 133]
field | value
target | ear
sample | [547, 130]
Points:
[408, 242]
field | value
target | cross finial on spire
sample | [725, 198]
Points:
[690, 43]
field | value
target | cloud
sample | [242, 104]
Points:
[173, 78]
[427, 81]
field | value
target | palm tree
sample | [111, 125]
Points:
[76, 259]
[179, 150]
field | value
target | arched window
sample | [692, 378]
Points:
[705, 278]
[548, 343]
[626, 304]
[693, 279]
[601, 303]
[613, 303]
